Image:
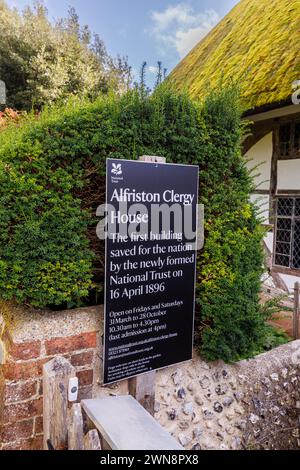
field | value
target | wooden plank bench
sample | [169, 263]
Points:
[125, 425]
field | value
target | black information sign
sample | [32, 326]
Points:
[150, 266]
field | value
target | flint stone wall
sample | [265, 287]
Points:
[248, 405]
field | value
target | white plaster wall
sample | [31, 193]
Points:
[261, 154]
[289, 281]
[289, 174]
[263, 202]
[269, 241]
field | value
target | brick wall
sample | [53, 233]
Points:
[250, 404]
[31, 339]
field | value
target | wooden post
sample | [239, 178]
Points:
[142, 388]
[56, 376]
[296, 334]
[152, 159]
[92, 441]
[75, 428]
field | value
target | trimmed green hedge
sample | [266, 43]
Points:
[52, 178]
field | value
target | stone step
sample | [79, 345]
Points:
[126, 425]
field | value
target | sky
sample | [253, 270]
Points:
[144, 30]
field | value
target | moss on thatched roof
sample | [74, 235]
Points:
[257, 45]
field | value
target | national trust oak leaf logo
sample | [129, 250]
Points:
[116, 169]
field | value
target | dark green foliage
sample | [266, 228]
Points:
[52, 174]
[230, 267]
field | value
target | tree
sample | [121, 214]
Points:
[42, 63]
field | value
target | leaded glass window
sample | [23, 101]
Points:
[287, 236]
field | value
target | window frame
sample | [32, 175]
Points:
[294, 218]
[293, 153]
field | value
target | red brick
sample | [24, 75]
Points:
[38, 429]
[16, 431]
[20, 411]
[85, 377]
[18, 391]
[35, 443]
[71, 343]
[82, 359]
[25, 351]
[23, 370]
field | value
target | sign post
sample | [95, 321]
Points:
[142, 387]
[150, 268]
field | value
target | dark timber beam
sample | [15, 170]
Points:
[274, 171]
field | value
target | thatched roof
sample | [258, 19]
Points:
[257, 45]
